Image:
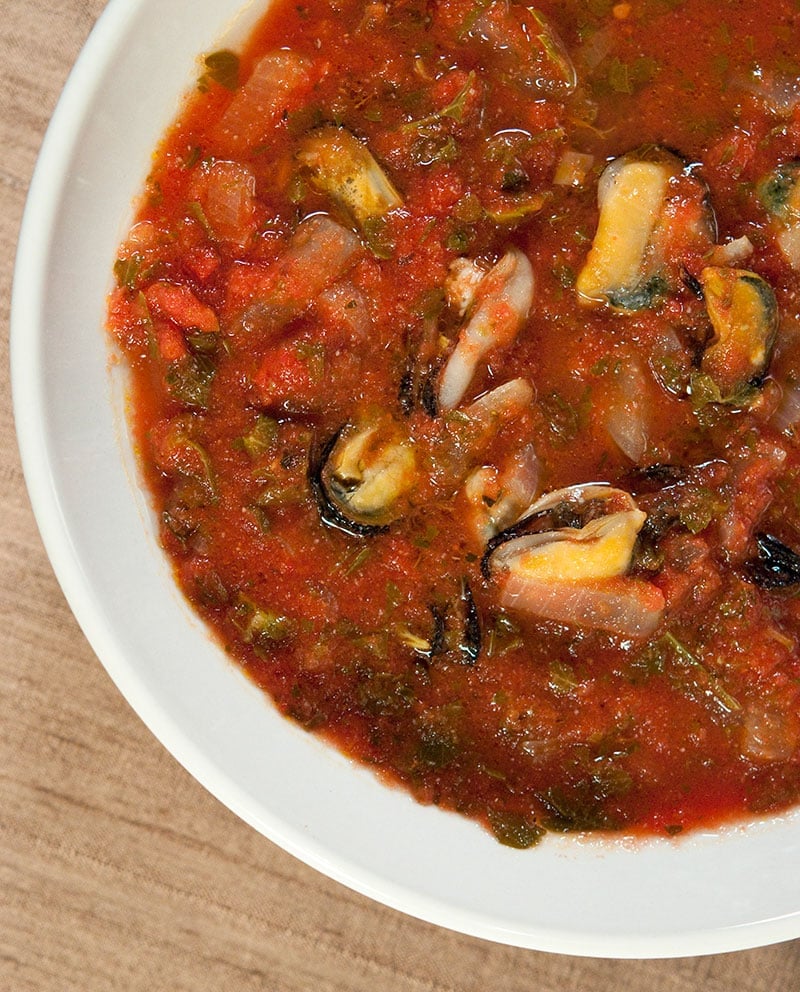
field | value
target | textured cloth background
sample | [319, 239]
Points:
[118, 871]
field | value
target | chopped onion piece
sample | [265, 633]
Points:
[627, 420]
[624, 606]
[573, 168]
[254, 109]
[732, 252]
[789, 244]
[787, 415]
[768, 734]
[227, 196]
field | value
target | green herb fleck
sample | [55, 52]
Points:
[312, 355]
[454, 110]
[562, 678]
[189, 380]
[195, 210]
[384, 694]
[562, 417]
[459, 240]
[394, 596]
[126, 271]
[503, 635]
[193, 157]
[699, 508]
[260, 438]
[514, 830]
[565, 275]
[221, 67]
[357, 560]
[377, 237]
[686, 671]
[259, 626]
[619, 77]
[436, 749]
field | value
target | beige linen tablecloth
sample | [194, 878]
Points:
[117, 870]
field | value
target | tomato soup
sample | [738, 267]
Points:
[464, 342]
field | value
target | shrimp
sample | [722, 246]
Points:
[500, 306]
[498, 496]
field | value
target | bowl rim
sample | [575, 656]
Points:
[26, 348]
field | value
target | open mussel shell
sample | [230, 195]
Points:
[776, 565]
[329, 510]
[571, 507]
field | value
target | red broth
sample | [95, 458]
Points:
[386, 294]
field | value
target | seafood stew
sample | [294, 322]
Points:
[465, 358]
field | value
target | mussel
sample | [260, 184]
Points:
[341, 166]
[776, 565]
[568, 559]
[496, 496]
[744, 316]
[362, 476]
[456, 632]
[780, 194]
[631, 263]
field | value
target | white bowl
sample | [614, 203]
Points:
[708, 892]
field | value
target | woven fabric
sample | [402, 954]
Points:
[117, 870]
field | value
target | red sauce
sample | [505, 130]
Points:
[382, 617]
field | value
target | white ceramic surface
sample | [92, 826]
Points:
[710, 892]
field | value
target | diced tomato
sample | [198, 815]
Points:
[450, 87]
[128, 321]
[180, 305]
[541, 116]
[202, 262]
[689, 574]
[753, 484]
[734, 153]
[244, 283]
[170, 341]
[287, 377]
[442, 191]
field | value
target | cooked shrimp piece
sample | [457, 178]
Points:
[463, 278]
[496, 496]
[501, 304]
